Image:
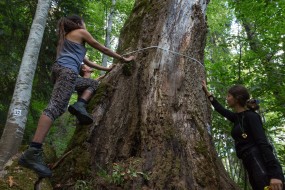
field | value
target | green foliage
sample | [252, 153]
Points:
[97, 14]
[15, 20]
[61, 133]
[82, 185]
[36, 108]
[245, 45]
[121, 173]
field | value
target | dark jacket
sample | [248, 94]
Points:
[249, 123]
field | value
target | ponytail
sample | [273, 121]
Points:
[60, 33]
[252, 104]
[66, 25]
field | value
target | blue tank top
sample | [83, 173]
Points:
[71, 55]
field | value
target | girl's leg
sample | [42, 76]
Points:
[44, 125]
[88, 87]
[86, 95]
[62, 91]
[79, 108]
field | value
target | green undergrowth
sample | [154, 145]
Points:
[75, 168]
[120, 174]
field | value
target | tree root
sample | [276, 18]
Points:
[37, 185]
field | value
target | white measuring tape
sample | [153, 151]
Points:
[150, 47]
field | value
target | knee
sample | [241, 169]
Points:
[94, 85]
[92, 89]
[49, 114]
[53, 114]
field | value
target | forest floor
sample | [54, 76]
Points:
[15, 177]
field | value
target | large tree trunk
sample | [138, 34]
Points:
[151, 116]
[17, 116]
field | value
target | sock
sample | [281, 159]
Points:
[82, 100]
[36, 145]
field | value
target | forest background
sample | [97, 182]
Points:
[245, 45]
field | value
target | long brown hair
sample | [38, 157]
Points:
[66, 25]
[240, 93]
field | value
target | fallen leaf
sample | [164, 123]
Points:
[10, 181]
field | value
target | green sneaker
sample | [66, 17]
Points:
[78, 109]
[33, 159]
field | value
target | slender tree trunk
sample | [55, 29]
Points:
[152, 116]
[17, 115]
[108, 33]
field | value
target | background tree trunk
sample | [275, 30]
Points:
[108, 33]
[17, 116]
[151, 116]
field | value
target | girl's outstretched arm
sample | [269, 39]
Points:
[87, 37]
[96, 66]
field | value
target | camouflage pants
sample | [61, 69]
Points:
[66, 81]
[83, 84]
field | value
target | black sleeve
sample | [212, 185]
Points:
[255, 127]
[221, 110]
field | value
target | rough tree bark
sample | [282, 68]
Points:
[151, 115]
[17, 115]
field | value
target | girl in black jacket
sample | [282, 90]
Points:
[251, 143]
